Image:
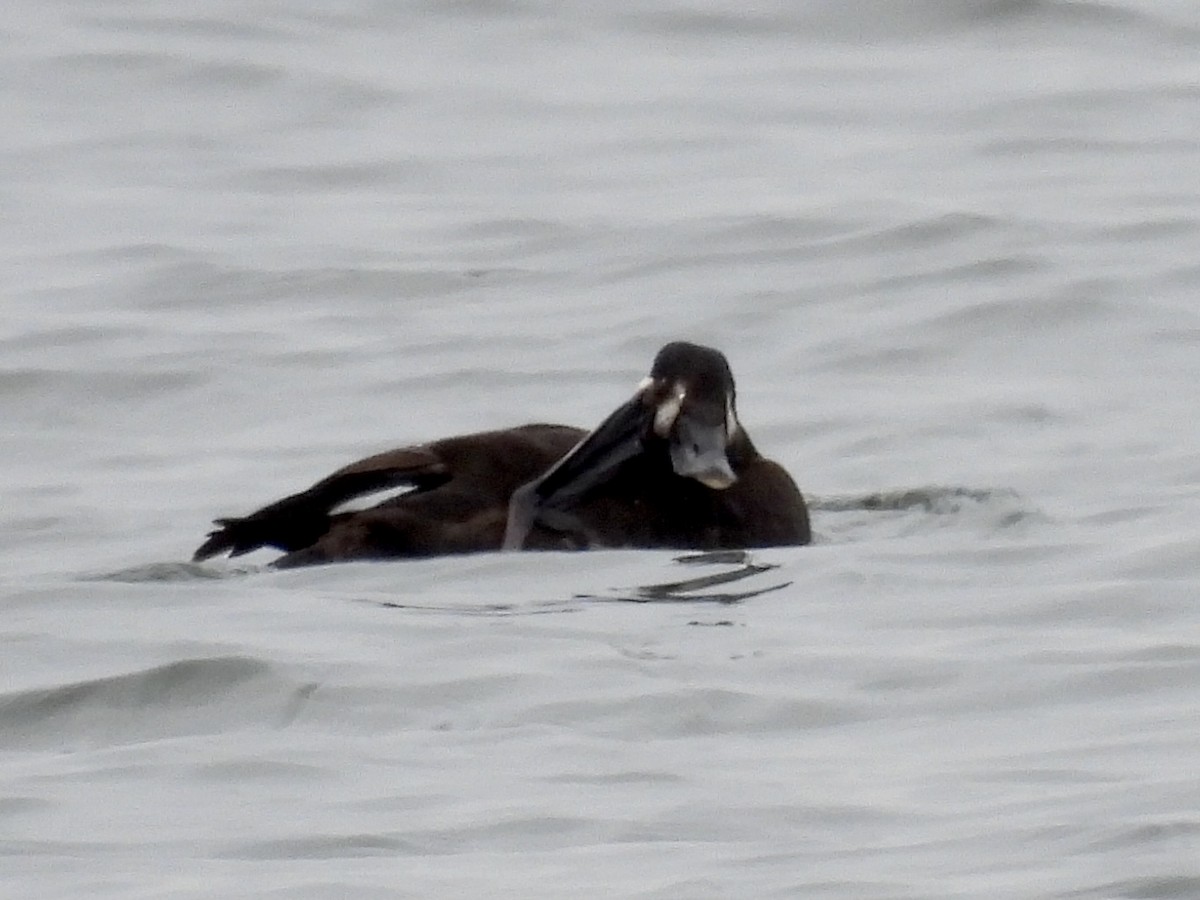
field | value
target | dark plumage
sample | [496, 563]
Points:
[672, 467]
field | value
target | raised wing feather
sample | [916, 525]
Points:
[298, 520]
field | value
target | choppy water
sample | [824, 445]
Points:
[952, 250]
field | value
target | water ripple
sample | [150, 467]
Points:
[185, 697]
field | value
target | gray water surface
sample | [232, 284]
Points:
[952, 250]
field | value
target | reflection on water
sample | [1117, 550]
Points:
[697, 589]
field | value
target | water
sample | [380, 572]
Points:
[950, 249]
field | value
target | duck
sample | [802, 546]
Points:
[672, 467]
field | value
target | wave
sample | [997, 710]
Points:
[914, 19]
[185, 697]
[914, 510]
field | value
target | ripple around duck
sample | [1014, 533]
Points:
[849, 516]
[929, 499]
[164, 572]
[720, 577]
[187, 697]
[698, 589]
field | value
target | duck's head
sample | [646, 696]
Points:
[691, 394]
[686, 404]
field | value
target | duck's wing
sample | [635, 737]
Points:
[300, 519]
[549, 498]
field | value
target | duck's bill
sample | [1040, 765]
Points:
[589, 464]
[698, 450]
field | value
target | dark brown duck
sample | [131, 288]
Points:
[672, 467]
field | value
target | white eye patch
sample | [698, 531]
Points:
[731, 422]
[668, 410]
